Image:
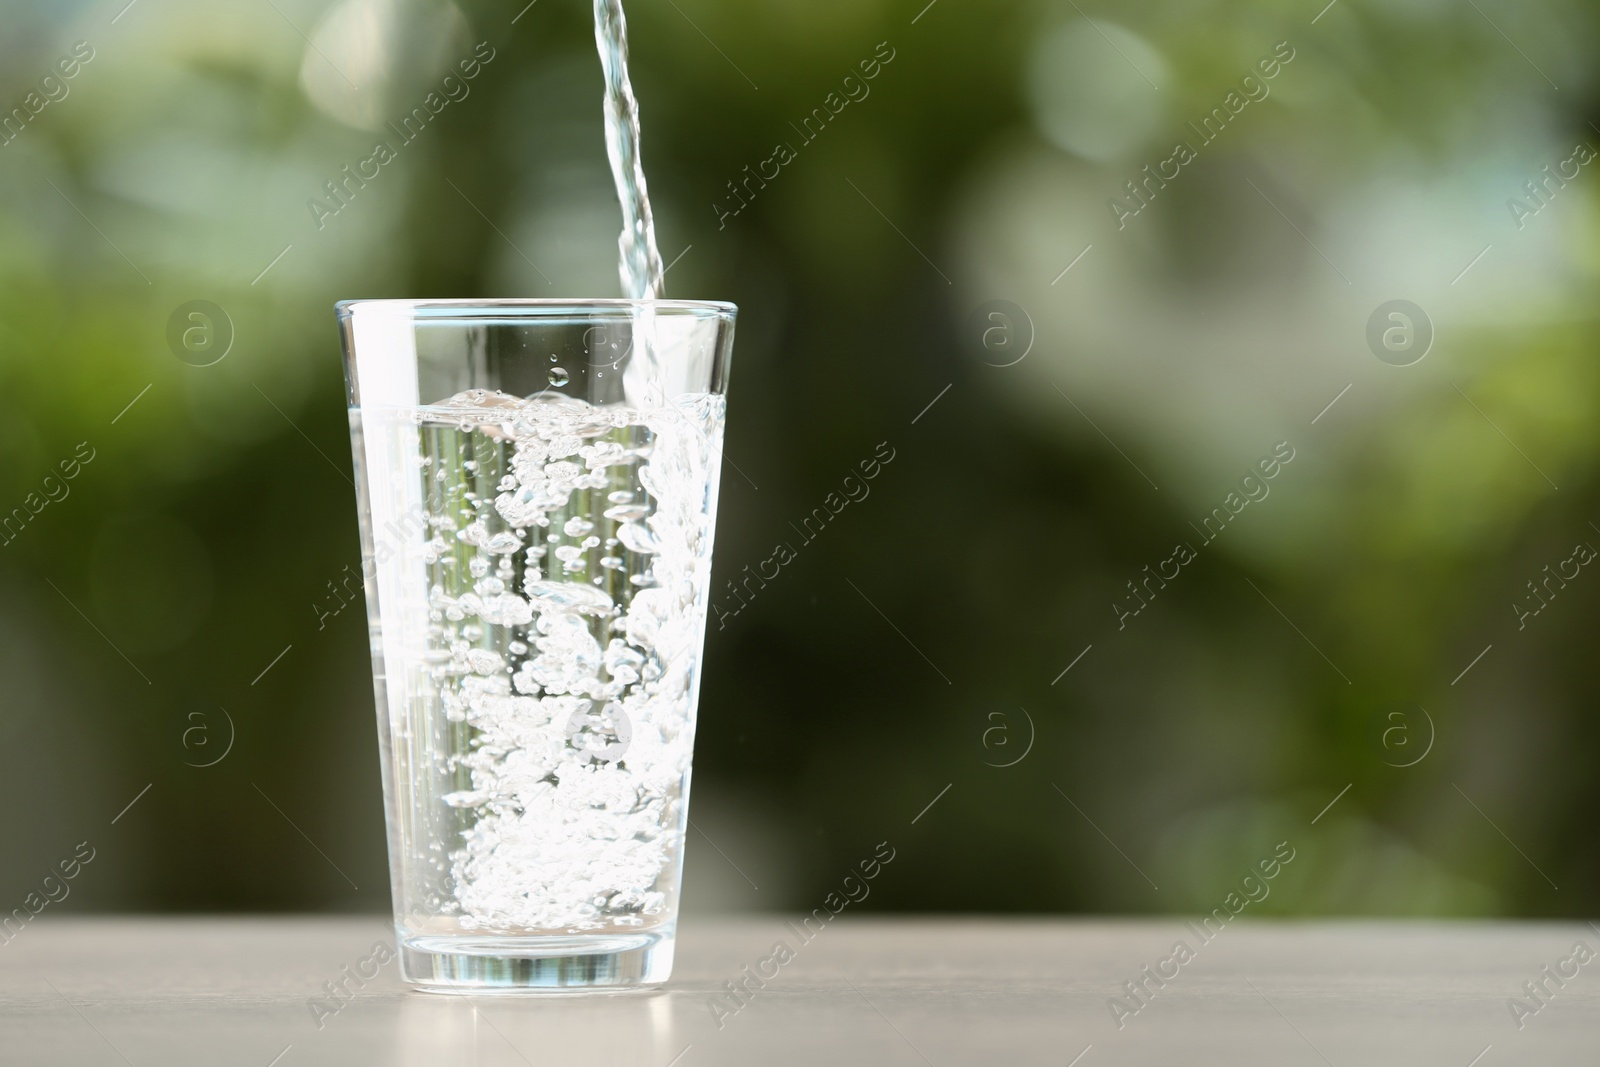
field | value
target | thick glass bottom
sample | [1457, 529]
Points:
[558, 963]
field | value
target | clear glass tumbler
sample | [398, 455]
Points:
[537, 485]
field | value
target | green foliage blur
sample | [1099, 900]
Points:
[180, 590]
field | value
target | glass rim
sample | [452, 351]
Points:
[529, 306]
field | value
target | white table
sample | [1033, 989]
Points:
[171, 992]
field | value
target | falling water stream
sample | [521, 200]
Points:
[640, 260]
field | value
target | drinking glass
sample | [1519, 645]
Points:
[537, 486]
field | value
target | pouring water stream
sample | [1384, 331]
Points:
[640, 260]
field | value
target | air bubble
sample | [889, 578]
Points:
[627, 512]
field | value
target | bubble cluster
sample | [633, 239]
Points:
[568, 552]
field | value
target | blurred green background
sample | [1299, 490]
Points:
[1321, 648]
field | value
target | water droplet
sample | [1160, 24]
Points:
[558, 376]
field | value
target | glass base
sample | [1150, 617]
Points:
[561, 963]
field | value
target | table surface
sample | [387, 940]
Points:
[871, 991]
